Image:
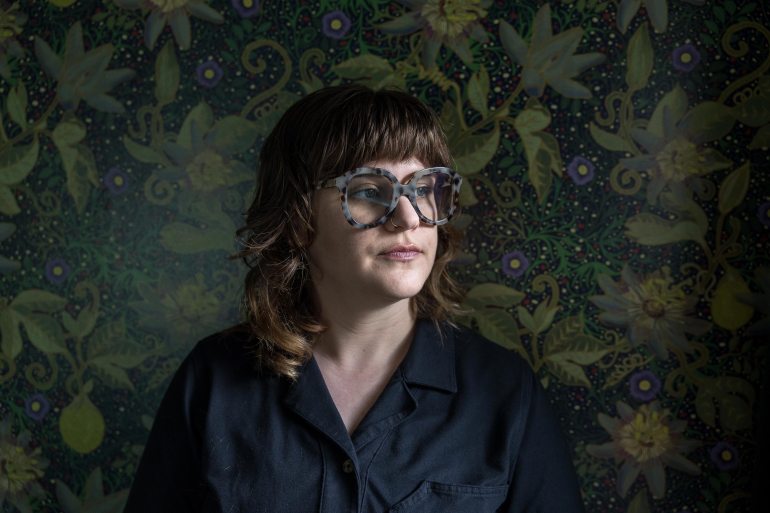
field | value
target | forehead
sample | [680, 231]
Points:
[400, 169]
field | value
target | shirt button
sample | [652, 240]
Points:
[347, 466]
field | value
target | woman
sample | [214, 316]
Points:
[348, 390]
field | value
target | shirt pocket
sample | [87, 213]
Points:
[433, 497]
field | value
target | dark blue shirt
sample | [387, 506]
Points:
[462, 427]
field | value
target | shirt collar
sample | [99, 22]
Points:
[431, 358]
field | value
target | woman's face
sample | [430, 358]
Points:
[372, 267]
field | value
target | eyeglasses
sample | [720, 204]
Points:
[369, 195]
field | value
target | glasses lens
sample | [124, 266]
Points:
[434, 195]
[368, 197]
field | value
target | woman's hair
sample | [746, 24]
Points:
[322, 136]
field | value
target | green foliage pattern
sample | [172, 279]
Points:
[616, 208]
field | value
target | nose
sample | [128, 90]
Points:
[404, 216]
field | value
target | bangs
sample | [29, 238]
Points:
[376, 125]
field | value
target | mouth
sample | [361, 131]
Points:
[401, 252]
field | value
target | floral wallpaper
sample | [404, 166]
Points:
[616, 216]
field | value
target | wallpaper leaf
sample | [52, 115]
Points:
[495, 294]
[640, 59]
[16, 162]
[731, 397]
[39, 301]
[567, 349]
[145, 154]
[707, 122]
[725, 309]
[478, 91]
[81, 423]
[94, 500]
[166, 75]
[610, 141]
[673, 106]
[77, 160]
[653, 230]
[497, 325]
[17, 105]
[734, 188]
[9, 331]
[370, 70]
[472, 152]
[43, 332]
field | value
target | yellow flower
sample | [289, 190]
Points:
[450, 19]
[185, 311]
[451, 23]
[201, 157]
[646, 437]
[207, 171]
[655, 310]
[675, 156]
[680, 159]
[644, 442]
[21, 468]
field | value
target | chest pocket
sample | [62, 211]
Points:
[432, 497]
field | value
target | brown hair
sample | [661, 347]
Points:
[321, 136]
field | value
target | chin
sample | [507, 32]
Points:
[405, 288]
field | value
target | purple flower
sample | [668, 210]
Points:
[515, 264]
[116, 180]
[246, 8]
[209, 74]
[335, 24]
[725, 456]
[57, 270]
[37, 407]
[644, 386]
[686, 57]
[581, 170]
[763, 213]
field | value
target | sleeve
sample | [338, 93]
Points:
[544, 479]
[168, 476]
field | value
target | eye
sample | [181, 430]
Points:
[423, 190]
[365, 192]
[425, 186]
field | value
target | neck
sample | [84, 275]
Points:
[359, 338]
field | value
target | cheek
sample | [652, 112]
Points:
[434, 241]
[334, 241]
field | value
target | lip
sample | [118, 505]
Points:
[401, 252]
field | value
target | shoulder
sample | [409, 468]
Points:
[229, 354]
[220, 371]
[483, 366]
[475, 352]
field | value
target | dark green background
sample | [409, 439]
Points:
[124, 172]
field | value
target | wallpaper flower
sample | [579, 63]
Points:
[644, 442]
